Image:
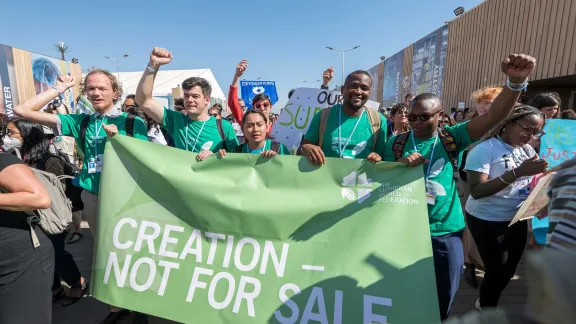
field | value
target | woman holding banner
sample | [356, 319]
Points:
[499, 170]
[254, 129]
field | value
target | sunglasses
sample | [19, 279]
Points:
[262, 105]
[57, 103]
[423, 117]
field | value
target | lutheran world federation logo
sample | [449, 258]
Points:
[356, 187]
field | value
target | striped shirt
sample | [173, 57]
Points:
[562, 208]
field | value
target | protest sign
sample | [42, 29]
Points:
[250, 89]
[559, 143]
[245, 239]
[297, 115]
[537, 200]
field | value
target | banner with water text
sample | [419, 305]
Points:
[243, 239]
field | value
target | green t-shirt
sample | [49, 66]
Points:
[196, 136]
[360, 144]
[445, 216]
[268, 146]
[94, 143]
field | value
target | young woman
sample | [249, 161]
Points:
[548, 102]
[447, 121]
[499, 170]
[36, 153]
[25, 272]
[459, 116]
[254, 127]
[399, 118]
[483, 99]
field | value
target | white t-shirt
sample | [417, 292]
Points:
[237, 129]
[494, 158]
[155, 136]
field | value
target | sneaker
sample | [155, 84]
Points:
[477, 305]
[470, 276]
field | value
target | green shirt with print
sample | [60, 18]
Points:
[445, 216]
[93, 149]
[361, 141]
[283, 150]
[196, 136]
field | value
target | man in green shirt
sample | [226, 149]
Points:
[348, 130]
[195, 131]
[90, 132]
[423, 146]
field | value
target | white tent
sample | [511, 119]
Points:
[168, 79]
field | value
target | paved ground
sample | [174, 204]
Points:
[91, 311]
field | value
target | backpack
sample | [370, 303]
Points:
[373, 118]
[55, 219]
[275, 146]
[221, 131]
[446, 138]
[84, 125]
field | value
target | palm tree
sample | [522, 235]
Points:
[62, 49]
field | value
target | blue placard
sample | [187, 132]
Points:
[559, 143]
[249, 90]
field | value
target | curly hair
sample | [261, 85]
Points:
[397, 108]
[487, 94]
[116, 86]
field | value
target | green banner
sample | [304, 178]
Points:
[245, 239]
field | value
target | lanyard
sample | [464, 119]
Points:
[516, 161]
[197, 136]
[97, 134]
[247, 149]
[340, 131]
[431, 154]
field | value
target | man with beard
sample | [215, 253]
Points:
[438, 151]
[196, 131]
[348, 130]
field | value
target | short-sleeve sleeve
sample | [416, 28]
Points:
[7, 159]
[140, 129]
[479, 159]
[382, 135]
[461, 135]
[314, 129]
[230, 134]
[169, 120]
[69, 125]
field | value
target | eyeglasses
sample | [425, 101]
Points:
[10, 132]
[423, 117]
[262, 105]
[535, 133]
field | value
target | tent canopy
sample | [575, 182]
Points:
[168, 79]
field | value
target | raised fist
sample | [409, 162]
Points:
[159, 57]
[327, 76]
[518, 67]
[65, 82]
[241, 67]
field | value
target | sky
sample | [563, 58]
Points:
[283, 41]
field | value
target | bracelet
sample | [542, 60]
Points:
[514, 173]
[502, 179]
[516, 86]
[54, 88]
[150, 69]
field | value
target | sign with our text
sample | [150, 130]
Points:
[559, 143]
[297, 115]
[244, 239]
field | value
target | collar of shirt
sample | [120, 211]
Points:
[112, 113]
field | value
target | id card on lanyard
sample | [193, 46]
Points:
[430, 192]
[95, 162]
[340, 146]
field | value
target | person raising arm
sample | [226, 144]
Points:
[195, 131]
